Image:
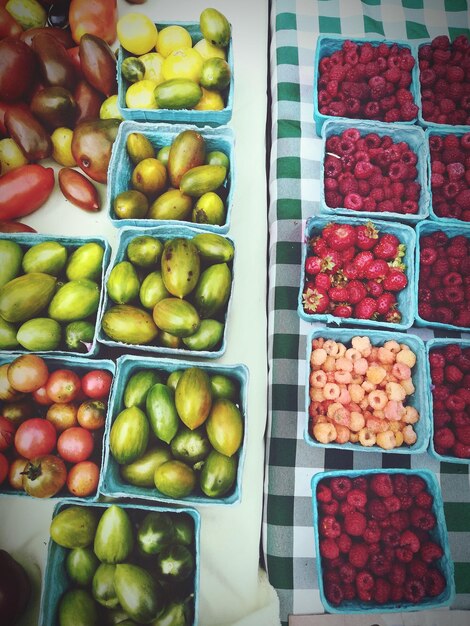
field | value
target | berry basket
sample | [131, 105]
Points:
[418, 399]
[405, 234]
[26, 242]
[163, 234]
[121, 166]
[328, 44]
[419, 101]
[189, 116]
[412, 135]
[440, 130]
[112, 483]
[438, 535]
[431, 345]
[426, 228]
[80, 365]
[57, 581]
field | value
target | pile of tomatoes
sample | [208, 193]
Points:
[51, 426]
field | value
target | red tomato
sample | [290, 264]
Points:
[97, 383]
[3, 467]
[15, 476]
[44, 476]
[62, 415]
[16, 227]
[27, 373]
[24, 189]
[7, 392]
[63, 385]
[40, 396]
[7, 433]
[75, 444]
[83, 478]
[9, 27]
[98, 17]
[92, 414]
[35, 437]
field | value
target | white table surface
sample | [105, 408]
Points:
[233, 590]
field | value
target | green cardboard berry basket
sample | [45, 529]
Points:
[439, 534]
[112, 483]
[418, 400]
[56, 581]
[190, 116]
[26, 241]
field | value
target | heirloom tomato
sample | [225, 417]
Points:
[27, 373]
[44, 476]
[75, 444]
[62, 415]
[15, 473]
[7, 433]
[63, 385]
[98, 17]
[35, 437]
[82, 479]
[96, 384]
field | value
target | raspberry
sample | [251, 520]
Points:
[409, 539]
[382, 591]
[355, 523]
[416, 484]
[330, 527]
[434, 582]
[400, 520]
[347, 573]
[390, 536]
[372, 532]
[430, 551]
[392, 503]
[422, 518]
[357, 498]
[397, 574]
[377, 509]
[417, 568]
[323, 493]
[400, 484]
[404, 554]
[329, 548]
[334, 593]
[364, 581]
[340, 486]
[381, 485]
[358, 555]
[414, 591]
[344, 542]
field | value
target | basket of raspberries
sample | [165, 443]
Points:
[449, 176]
[381, 541]
[357, 271]
[449, 364]
[367, 391]
[361, 79]
[373, 169]
[444, 81]
[443, 276]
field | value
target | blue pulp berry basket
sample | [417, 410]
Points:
[112, 484]
[160, 135]
[439, 535]
[432, 345]
[407, 307]
[327, 44]
[163, 233]
[26, 241]
[419, 102]
[426, 228]
[419, 399]
[80, 365]
[442, 131]
[190, 116]
[56, 581]
[412, 135]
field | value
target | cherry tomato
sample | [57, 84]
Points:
[98, 17]
[83, 478]
[27, 373]
[19, 411]
[40, 396]
[3, 467]
[44, 476]
[7, 433]
[15, 473]
[97, 383]
[7, 392]
[91, 414]
[75, 444]
[35, 437]
[63, 385]
[62, 415]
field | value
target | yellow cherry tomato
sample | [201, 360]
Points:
[183, 63]
[140, 95]
[137, 33]
[62, 146]
[210, 101]
[208, 50]
[153, 63]
[173, 38]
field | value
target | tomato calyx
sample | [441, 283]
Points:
[33, 470]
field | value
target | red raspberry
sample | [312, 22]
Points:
[381, 485]
[377, 509]
[372, 532]
[347, 573]
[340, 486]
[404, 554]
[406, 502]
[334, 593]
[330, 527]
[397, 574]
[444, 438]
[434, 582]
[329, 508]
[358, 555]
[329, 548]
[360, 482]
[414, 591]
[355, 523]
[344, 542]
[364, 581]
[409, 539]
[416, 484]
[463, 434]
[461, 450]
[400, 520]
[400, 484]
[422, 518]
[424, 500]
[392, 503]
[382, 591]
[356, 498]
[397, 594]
[430, 551]
[417, 568]
[323, 493]
[390, 536]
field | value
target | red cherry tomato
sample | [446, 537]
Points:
[75, 444]
[97, 383]
[3, 467]
[83, 478]
[27, 373]
[35, 437]
[40, 396]
[63, 385]
[7, 433]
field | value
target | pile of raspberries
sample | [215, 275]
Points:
[377, 539]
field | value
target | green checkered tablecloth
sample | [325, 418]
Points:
[294, 195]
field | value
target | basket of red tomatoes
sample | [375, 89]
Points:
[52, 416]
